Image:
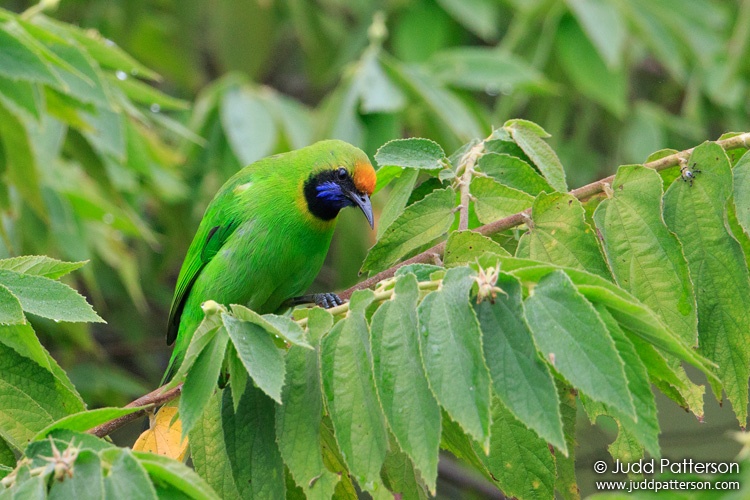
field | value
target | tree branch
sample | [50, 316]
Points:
[158, 397]
[149, 401]
[741, 141]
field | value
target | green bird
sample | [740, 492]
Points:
[264, 236]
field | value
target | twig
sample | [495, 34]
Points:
[158, 397]
[153, 398]
[469, 160]
[582, 193]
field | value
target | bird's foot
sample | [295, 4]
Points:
[324, 300]
[327, 300]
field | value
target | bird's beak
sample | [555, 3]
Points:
[364, 204]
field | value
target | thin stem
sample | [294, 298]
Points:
[741, 141]
[469, 160]
[158, 397]
[147, 402]
[380, 296]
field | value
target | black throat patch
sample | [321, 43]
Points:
[324, 208]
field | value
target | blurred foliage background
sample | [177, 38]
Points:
[113, 159]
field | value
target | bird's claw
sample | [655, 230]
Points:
[327, 300]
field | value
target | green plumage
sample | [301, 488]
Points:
[258, 243]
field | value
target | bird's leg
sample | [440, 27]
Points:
[324, 300]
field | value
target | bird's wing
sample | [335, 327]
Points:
[195, 261]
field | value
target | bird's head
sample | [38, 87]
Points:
[343, 184]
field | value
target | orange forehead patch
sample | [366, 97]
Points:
[365, 177]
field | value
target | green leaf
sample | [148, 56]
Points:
[482, 17]
[48, 298]
[24, 341]
[351, 396]
[249, 127]
[7, 457]
[519, 460]
[645, 258]
[666, 47]
[559, 234]
[454, 440]
[85, 420]
[87, 481]
[399, 196]
[80, 78]
[741, 175]
[605, 27]
[409, 407]
[451, 348]
[20, 96]
[143, 93]
[645, 428]
[520, 379]
[495, 201]
[204, 334]
[421, 223]
[628, 311]
[19, 61]
[201, 381]
[126, 478]
[298, 418]
[529, 136]
[487, 70]
[20, 162]
[235, 451]
[11, 312]
[411, 153]
[40, 265]
[697, 215]
[257, 351]
[377, 92]
[282, 327]
[104, 51]
[453, 114]
[588, 72]
[565, 467]
[464, 247]
[513, 172]
[107, 135]
[31, 398]
[165, 470]
[573, 337]
[400, 476]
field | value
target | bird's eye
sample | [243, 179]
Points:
[342, 173]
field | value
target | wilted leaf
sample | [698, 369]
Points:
[164, 436]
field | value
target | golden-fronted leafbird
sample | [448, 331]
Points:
[264, 236]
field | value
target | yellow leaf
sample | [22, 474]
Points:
[165, 435]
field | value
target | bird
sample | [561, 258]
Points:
[264, 236]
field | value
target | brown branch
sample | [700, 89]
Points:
[741, 141]
[157, 397]
[149, 401]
